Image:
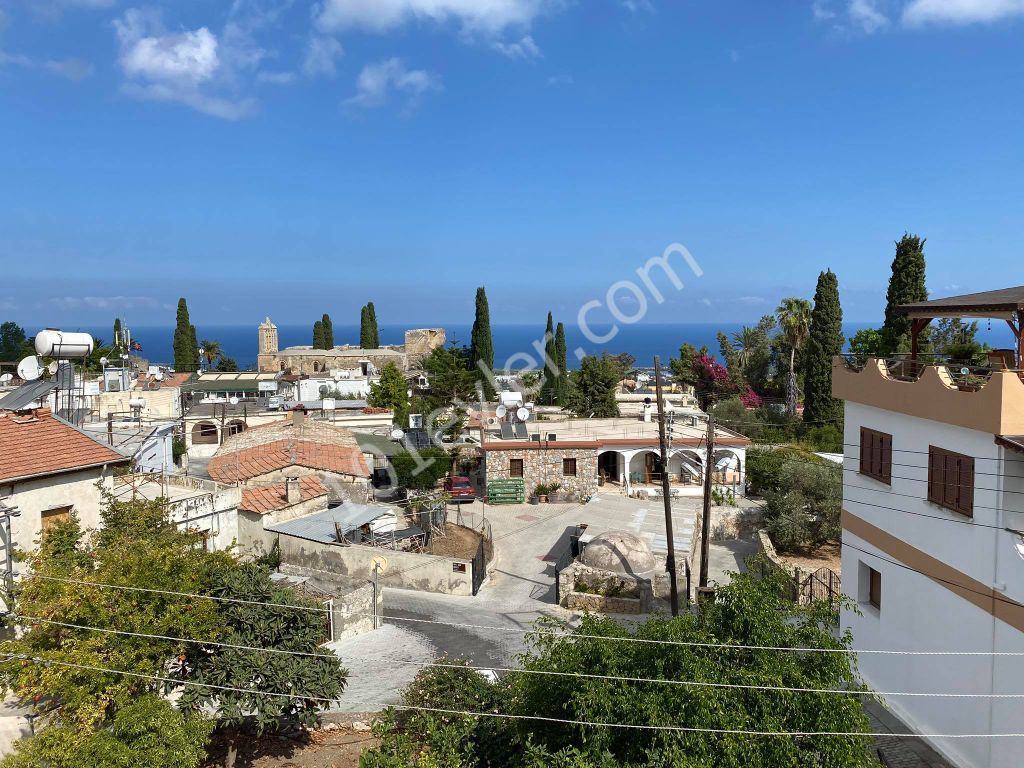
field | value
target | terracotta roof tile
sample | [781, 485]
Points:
[270, 497]
[248, 463]
[41, 444]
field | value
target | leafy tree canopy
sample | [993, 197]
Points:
[592, 387]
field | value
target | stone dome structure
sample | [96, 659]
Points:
[619, 552]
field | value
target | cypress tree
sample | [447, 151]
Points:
[371, 318]
[186, 354]
[548, 387]
[824, 341]
[481, 344]
[562, 385]
[364, 328]
[906, 286]
[118, 341]
[318, 334]
[328, 331]
[194, 347]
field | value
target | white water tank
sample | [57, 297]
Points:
[137, 402]
[54, 343]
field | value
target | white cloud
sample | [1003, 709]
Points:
[525, 48]
[104, 302]
[183, 67]
[17, 59]
[322, 52]
[71, 69]
[865, 14]
[276, 78]
[561, 80]
[822, 10]
[636, 6]
[475, 16]
[376, 82]
[960, 11]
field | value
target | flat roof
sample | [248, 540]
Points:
[356, 352]
[614, 431]
[320, 526]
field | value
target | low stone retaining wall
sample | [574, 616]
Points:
[583, 601]
[767, 549]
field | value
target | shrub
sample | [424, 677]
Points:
[802, 508]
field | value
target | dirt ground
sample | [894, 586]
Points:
[320, 749]
[458, 542]
[826, 556]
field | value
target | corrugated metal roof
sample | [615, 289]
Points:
[321, 525]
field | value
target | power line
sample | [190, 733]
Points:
[564, 721]
[581, 675]
[520, 630]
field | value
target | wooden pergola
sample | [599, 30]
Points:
[1004, 304]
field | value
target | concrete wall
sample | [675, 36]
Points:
[406, 570]
[355, 603]
[32, 497]
[922, 612]
[545, 466]
[163, 403]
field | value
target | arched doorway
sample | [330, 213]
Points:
[728, 467]
[645, 467]
[686, 467]
[204, 433]
[610, 466]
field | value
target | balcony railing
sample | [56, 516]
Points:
[968, 375]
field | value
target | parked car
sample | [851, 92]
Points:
[274, 402]
[459, 489]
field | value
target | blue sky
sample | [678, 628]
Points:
[287, 158]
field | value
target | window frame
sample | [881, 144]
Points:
[48, 518]
[569, 461]
[876, 455]
[956, 494]
[874, 588]
[516, 468]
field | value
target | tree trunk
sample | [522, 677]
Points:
[229, 759]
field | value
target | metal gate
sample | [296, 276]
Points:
[479, 566]
[823, 584]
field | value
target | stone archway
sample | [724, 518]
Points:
[204, 433]
[686, 467]
[645, 467]
[611, 466]
[728, 466]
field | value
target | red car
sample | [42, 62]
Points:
[459, 488]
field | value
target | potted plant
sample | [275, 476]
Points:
[541, 492]
[553, 491]
[970, 383]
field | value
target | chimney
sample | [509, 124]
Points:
[292, 492]
[298, 417]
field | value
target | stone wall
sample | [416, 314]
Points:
[588, 601]
[542, 465]
[354, 606]
[580, 601]
[419, 343]
[406, 570]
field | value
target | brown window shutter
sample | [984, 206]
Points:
[936, 470]
[950, 481]
[887, 458]
[965, 499]
[865, 451]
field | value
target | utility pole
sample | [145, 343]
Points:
[705, 523]
[670, 562]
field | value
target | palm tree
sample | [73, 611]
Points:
[745, 341]
[795, 320]
[211, 351]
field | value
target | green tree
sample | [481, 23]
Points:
[803, 509]
[824, 342]
[561, 358]
[119, 346]
[212, 351]
[748, 611]
[794, 317]
[328, 331]
[318, 334]
[291, 625]
[906, 286]
[226, 364]
[186, 351]
[866, 343]
[481, 344]
[369, 335]
[452, 386]
[549, 382]
[391, 391]
[684, 368]
[422, 470]
[592, 387]
[13, 344]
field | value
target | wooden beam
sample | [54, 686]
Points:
[917, 325]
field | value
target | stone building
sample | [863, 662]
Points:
[419, 342]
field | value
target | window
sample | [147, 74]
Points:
[569, 467]
[874, 588]
[515, 467]
[951, 480]
[876, 455]
[51, 517]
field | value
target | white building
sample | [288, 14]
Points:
[933, 507]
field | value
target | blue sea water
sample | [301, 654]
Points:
[511, 342]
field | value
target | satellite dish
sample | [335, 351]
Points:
[378, 564]
[522, 414]
[500, 411]
[397, 434]
[6, 377]
[53, 367]
[103, 361]
[233, 400]
[31, 368]
[491, 421]
[528, 406]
